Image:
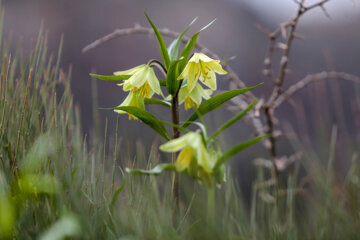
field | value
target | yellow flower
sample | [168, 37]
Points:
[132, 100]
[143, 81]
[194, 157]
[194, 97]
[201, 67]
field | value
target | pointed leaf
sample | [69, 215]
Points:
[163, 50]
[162, 82]
[238, 148]
[157, 101]
[111, 78]
[155, 171]
[234, 119]
[215, 102]
[117, 192]
[146, 118]
[172, 84]
[173, 49]
[190, 46]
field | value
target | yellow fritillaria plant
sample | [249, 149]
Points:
[200, 157]
[201, 67]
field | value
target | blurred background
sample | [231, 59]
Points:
[330, 44]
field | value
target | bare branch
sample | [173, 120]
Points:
[313, 78]
[288, 31]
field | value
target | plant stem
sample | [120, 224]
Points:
[176, 134]
[211, 204]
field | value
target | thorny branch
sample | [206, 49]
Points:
[286, 30]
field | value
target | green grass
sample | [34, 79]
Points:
[83, 192]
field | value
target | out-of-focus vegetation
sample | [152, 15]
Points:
[57, 183]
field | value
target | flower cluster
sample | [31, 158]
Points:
[143, 82]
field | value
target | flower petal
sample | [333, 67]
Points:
[174, 145]
[203, 159]
[192, 76]
[139, 78]
[132, 100]
[216, 67]
[131, 71]
[153, 81]
[210, 80]
[184, 159]
[200, 57]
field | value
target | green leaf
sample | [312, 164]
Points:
[175, 126]
[117, 192]
[111, 78]
[215, 102]
[236, 149]
[7, 216]
[163, 50]
[146, 118]
[190, 46]
[172, 84]
[173, 49]
[37, 155]
[162, 82]
[157, 101]
[155, 171]
[234, 119]
[67, 226]
[35, 184]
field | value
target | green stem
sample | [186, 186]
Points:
[211, 204]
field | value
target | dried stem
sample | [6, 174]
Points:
[286, 30]
[310, 79]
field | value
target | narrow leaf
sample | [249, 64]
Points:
[163, 50]
[111, 78]
[157, 101]
[236, 149]
[189, 47]
[234, 119]
[173, 49]
[162, 82]
[216, 101]
[155, 171]
[172, 84]
[146, 118]
[117, 192]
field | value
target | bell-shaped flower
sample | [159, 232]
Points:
[194, 97]
[143, 81]
[194, 158]
[201, 67]
[132, 100]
